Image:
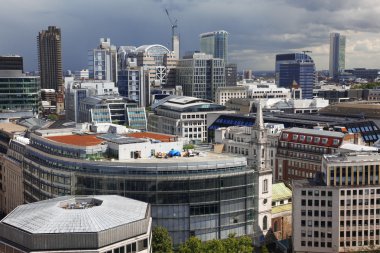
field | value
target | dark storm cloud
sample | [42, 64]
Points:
[258, 29]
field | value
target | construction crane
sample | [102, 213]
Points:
[174, 24]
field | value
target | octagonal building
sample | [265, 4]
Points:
[103, 224]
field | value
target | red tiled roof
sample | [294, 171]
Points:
[77, 140]
[155, 136]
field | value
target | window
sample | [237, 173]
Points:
[265, 186]
[265, 223]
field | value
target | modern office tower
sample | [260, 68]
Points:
[337, 54]
[231, 74]
[18, 92]
[200, 75]
[106, 223]
[183, 116]
[215, 43]
[298, 67]
[102, 61]
[339, 211]
[132, 165]
[50, 58]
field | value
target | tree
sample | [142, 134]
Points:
[214, 246]
[53, 117]
[235, 244]
[161, 241]
[192, 245]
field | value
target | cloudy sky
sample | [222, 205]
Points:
[258, 29]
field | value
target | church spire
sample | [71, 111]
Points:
[259, 122]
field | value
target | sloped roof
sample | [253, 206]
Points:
[280, 191]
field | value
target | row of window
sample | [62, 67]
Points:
[317, 244]
[310, 139]
[348, 243]
[316, 224]
[316, 213]
[316, 202]
[317, 234]
[360, 223]
[316, 193]
[359, 202]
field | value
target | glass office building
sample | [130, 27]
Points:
[209, 196]
[337, 54]
[215, 43]
[298, 67]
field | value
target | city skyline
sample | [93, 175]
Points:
[258, 29]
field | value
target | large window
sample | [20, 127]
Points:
[265, 223]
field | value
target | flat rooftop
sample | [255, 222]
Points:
[155, 136]
[76, 139]
[12, 128]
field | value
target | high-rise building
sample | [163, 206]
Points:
[50, 58]
[296, 67]
[215, 43]
[102, 63]
[337, 54]
[200, 75]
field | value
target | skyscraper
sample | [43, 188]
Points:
[298, 67]
[50, 58]
[337, 54]
[215, 43]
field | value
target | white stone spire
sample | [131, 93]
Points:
[259, 122]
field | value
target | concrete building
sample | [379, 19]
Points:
[183, 116]
[281, 211]
[215, 44]
[96, 224]
[82, 74]
[50, 58]
[291, 105]
[255, 90]
[11, 178]
[18, 92]
[102, 61]
[299, 68]
[200, 75]
[337, 54]
[338, 212]
[300, 151]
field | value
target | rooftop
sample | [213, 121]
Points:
[76, 139]
[12, 128]
[281, 208]
[297, 130]
[49, 216]
[280, 191]
[354, 157]
[155, 136]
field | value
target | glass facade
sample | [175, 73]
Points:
[216, 44]
[208, 199]
[337, 54]
[296, 67]
[19, 93]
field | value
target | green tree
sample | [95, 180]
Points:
[214, 246]
[192, 245]
[53, 117]
[235, 244]
[188, 146]
[161, 241]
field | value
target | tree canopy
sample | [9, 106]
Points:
[161, 241]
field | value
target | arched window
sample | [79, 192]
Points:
[265, 223]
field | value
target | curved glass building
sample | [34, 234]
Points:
[207, 195]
